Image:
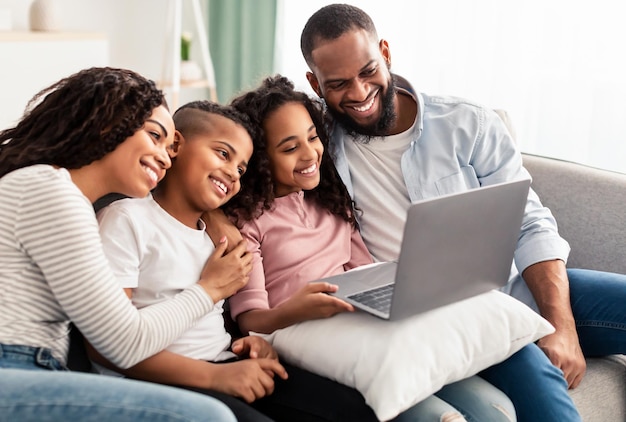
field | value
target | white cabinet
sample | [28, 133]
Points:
[31, 61]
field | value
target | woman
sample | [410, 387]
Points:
[100, 131]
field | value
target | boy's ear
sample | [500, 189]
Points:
[179, 139]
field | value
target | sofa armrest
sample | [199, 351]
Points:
[588, 204]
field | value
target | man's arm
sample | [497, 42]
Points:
[549, 285]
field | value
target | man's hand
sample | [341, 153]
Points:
[565, 353]
[550, 287]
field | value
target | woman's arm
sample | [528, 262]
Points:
[55, 224]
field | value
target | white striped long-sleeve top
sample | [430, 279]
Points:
[53, 270]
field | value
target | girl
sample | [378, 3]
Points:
[99, 131]
[300, 224]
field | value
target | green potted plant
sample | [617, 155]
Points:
[189, 70]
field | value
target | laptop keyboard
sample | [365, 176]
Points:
[378, 298]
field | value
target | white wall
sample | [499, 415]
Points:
[557, 66]
[135, 29]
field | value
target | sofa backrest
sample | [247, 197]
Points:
[589, 205]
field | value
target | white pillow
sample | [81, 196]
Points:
[397, 364]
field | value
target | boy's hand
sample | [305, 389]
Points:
[254, 347]
[312, 302]
[226, 272]
[248, 379]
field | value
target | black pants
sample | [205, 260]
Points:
[303, 397]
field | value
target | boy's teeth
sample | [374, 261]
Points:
[220, 185]
[151, 173]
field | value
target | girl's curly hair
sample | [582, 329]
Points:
[257, 187]
[79, 119]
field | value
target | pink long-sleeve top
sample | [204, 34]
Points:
[292, 244]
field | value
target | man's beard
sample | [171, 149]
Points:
[364, 133]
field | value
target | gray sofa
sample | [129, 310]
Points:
[589, 207]
[589, 204]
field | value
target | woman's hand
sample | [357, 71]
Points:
[226, 272]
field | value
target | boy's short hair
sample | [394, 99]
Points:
[190, 119]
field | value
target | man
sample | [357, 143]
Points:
[394, 146]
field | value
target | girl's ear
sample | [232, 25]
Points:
[179, 139]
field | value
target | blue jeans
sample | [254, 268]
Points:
[474, 398]
[36, 387]
[598, 302]
[537, 388]
[599, 305]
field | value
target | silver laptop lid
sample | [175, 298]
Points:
[457, 246]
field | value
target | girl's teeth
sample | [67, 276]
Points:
[309, 170]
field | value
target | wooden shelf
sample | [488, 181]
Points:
[21, 36]
[200, 83]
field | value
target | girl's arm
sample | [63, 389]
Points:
[218, 226]
[310, 302]
[250, 306]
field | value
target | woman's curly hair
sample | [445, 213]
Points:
[79, 119]
[257, 187]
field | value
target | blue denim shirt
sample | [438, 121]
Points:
[460, 145]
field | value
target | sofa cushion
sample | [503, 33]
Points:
[601, 396]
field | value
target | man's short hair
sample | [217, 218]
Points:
[330, 22]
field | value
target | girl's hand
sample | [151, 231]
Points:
[313, 302]
[254, 347]
[226, 272]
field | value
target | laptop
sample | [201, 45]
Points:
[454, 247]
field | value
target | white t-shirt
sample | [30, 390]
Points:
[378, 182]
[158, 256]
